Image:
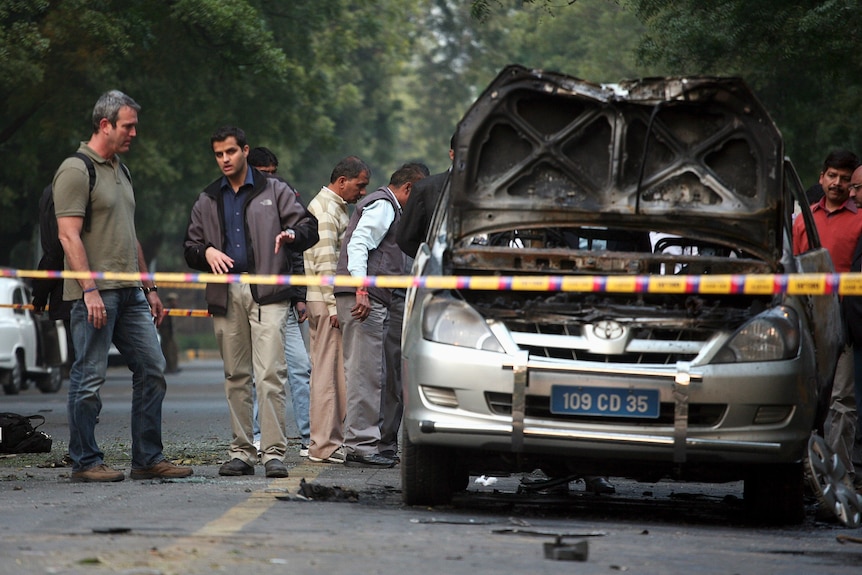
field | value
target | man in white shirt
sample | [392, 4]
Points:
[369, 249]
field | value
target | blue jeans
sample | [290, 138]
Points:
[298, 376]
[130, 327]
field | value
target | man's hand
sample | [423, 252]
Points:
[285, 237]
[156, 307]
[301, 312]
[333, 322]
[362, 308]
[219, 261]
[96, 312]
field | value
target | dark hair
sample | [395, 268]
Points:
[226, 132]
[423, 169]
[841, 160]
[452, 142]
[108, 106]
[349, 167]
[412, 172]
[261, 157]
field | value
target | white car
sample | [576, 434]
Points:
[32, 348]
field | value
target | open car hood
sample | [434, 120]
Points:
[697, 156]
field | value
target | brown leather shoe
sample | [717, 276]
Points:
[275, 468]
[98, 474]
[164, 469]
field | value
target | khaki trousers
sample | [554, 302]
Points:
[251, 341]
[327, 397]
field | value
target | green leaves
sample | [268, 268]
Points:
[385, 79]
[798, 56]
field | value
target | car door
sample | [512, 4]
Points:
[26, 325]
[824, 310]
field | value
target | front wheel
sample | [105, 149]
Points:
[13, 379]
[50, 382]
[430, 474]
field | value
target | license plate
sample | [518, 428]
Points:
[604, 401]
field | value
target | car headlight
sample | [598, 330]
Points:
[771, 336]
[453, 322]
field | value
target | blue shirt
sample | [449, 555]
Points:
[234, 222]
[373, 225]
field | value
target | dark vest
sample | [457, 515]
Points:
[387, 259]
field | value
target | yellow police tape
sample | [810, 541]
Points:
[755, 284]
[167, 311]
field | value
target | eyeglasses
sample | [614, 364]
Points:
[268, 170]
[855, 187]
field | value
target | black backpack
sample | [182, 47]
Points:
[52, 249]
[17, 434]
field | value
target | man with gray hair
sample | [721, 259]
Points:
[97, 230]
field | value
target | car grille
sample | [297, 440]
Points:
[538, 407]
[644, 345]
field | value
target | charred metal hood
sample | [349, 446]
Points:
[694, 156]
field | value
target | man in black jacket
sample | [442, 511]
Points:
[238, 225]
[416, 217]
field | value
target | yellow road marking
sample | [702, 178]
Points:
[214, 543]
[258, 502]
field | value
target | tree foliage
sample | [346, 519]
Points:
[385, 79]
[298, 76]
[797, 55]
[459, 48]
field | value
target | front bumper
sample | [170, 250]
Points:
[730, 413]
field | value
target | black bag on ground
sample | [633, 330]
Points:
[17, 434]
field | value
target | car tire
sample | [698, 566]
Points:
[429, 474]
[50, 382]
[774, 494]
[13, 379]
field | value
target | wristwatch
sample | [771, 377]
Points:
[147, 290]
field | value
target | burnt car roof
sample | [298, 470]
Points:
[692, 155]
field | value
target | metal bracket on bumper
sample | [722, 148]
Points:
[681, 386]
[519, 400]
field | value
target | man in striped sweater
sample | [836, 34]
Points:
[328, 403]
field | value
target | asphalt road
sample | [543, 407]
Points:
[213, 524]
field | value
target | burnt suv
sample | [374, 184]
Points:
[584, 198]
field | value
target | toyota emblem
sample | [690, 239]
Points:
[608, 329]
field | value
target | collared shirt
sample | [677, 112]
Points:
[236, 245]
[376, 219]
[839, 230]
[322, 258]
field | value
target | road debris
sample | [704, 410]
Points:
[316, 492]
[434, 520]
[559, 551]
